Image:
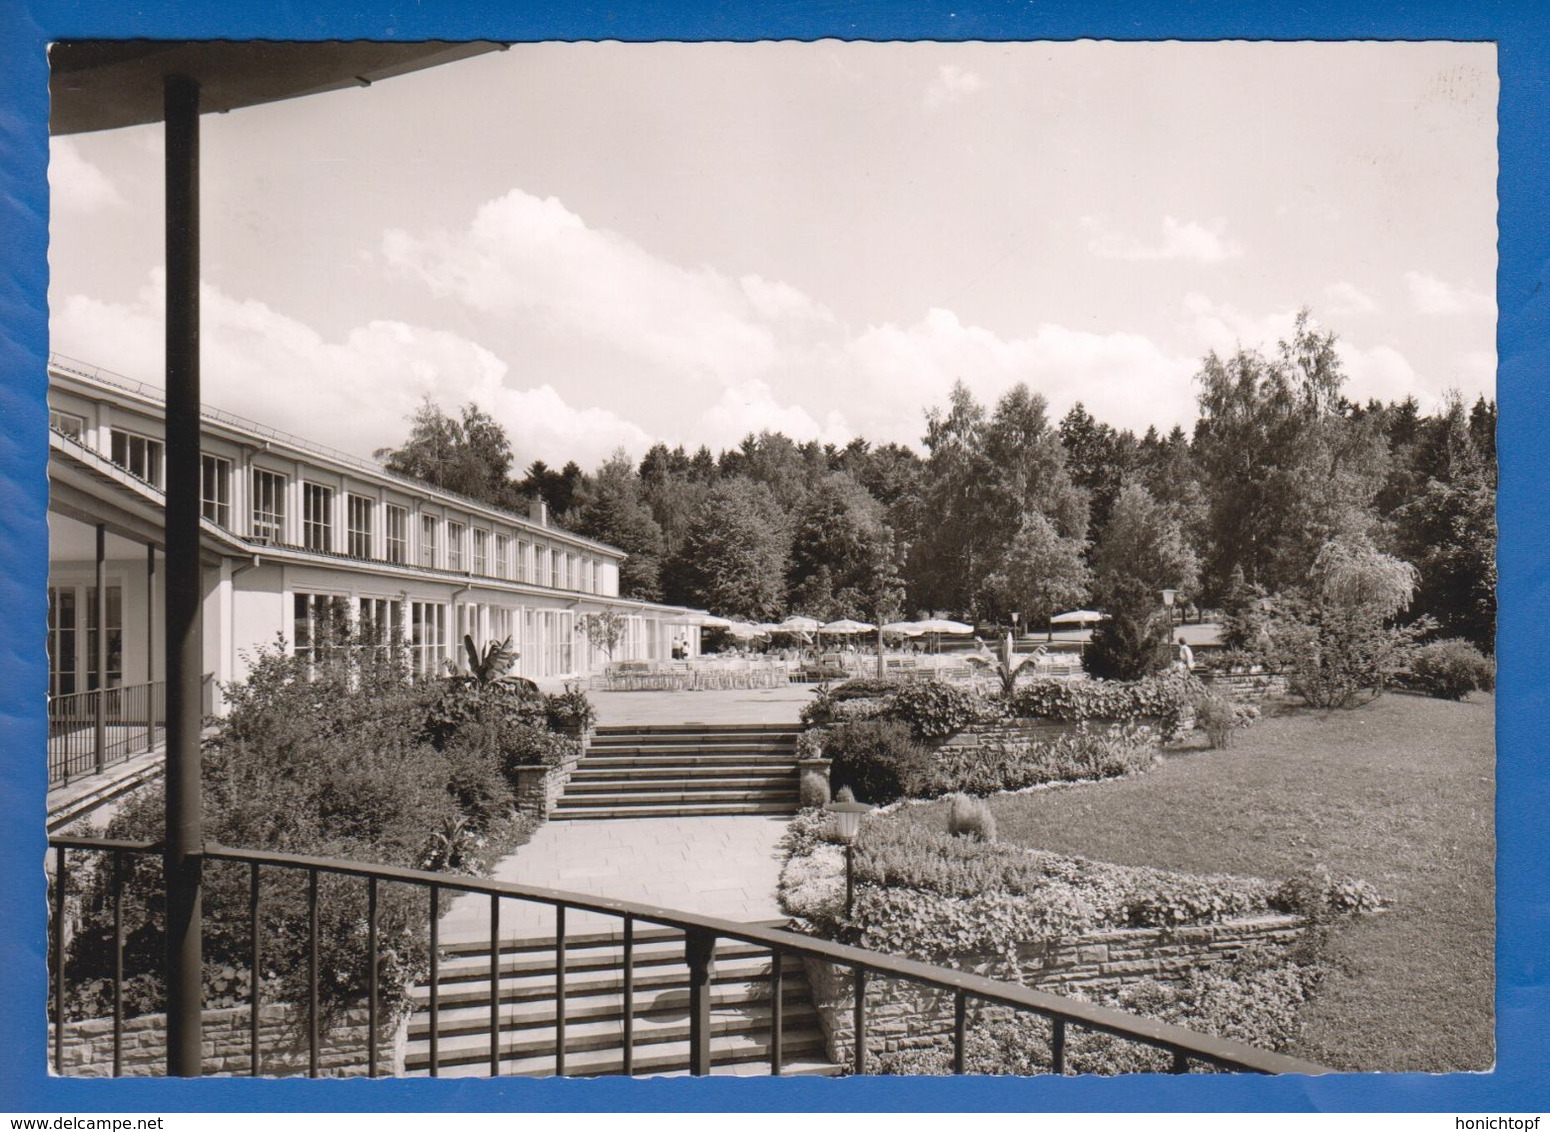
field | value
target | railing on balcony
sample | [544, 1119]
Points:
[702, 933]
[88, 732]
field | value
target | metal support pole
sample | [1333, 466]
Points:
[850, 876]
[700, 954]
[184, 644]
[100, 611]
[150, 645]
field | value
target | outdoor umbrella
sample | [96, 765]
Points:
[798, 625]
[938, 625]
[742, 630]
[907, 628]
[1077, 617]
[715, 623]
[846, 626]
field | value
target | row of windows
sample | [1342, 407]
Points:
[322, 621]
[487, 555]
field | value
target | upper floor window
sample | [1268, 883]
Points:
[358, 521]
[215, 490]
[317, 517]
[522, 567]
[68, 423]
[502, 556]
[396, 530]
[268, 506]
[428, 540]
[454, 546]
[481, 564]
[138, 455]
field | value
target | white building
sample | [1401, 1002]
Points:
[294, 531]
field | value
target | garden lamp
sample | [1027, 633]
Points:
[847, 821]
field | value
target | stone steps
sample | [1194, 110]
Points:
[683, 770]
[527, 1029]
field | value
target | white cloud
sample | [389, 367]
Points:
[776, 301]
[1180, 240]
[355, 394]
[1434, 296]
[951, 83]
[1223, 327]
[1344, 299]
[1477, 371]
[75, 184]
[1379, 371]
[752, 408]
[523, 257]
[894, 371]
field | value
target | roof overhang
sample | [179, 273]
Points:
[85, 486]
[108, 84]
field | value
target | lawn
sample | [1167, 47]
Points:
[1399, 792]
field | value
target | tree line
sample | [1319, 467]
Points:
[1008, 511]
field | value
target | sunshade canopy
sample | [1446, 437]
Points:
[799, 625]
[715, 623]
[908, 628]
[937, 625]
[1077, 617]
[107, 84]
[846, 625]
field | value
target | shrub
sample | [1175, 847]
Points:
[1221, 719]
[813, 790]
[340, 755]
[1321, 897]
[875, 758]
[810, 743]
[525, 745]
[971, 818]
[570, 712]
[457, 702]
[1134, 641]
[476, 776]
[1087, 753]
[1163, 700]
[1338, 657]
[1451, 669]
[934, 709]
[1256, 997]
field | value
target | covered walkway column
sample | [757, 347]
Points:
[185, 653]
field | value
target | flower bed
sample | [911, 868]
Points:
[1220, 954]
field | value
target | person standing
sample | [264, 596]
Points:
[1186, 656]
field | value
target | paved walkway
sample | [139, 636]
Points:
[718, 866]
[756, 705]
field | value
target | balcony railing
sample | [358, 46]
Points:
[88, 732]
[701, 935]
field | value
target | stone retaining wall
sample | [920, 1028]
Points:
[1246, 685]
[1006, 735]
[539, 787]
[88, 1045]
[904, 1016]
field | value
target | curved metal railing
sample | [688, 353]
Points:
[701, 934]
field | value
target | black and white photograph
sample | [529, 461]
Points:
[817, 559]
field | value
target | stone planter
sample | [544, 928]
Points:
[538, 787]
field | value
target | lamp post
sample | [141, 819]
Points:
[847, 820]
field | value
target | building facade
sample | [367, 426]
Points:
[295, 534]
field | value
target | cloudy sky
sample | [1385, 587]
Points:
[608, 244]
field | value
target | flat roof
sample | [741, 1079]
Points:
[109, 84]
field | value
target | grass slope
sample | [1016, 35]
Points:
[1399, 792]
